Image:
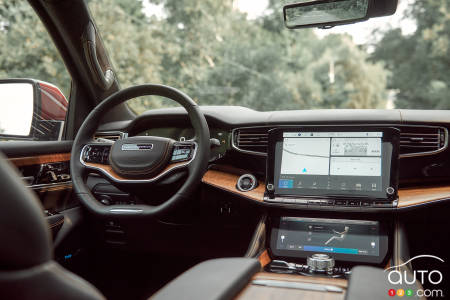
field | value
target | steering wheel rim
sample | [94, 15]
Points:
[196, 167]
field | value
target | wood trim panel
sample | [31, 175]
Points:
[422, 195]
[59, 187]
[264, 258]
[108, 169]
[227, 181]
[40, 159]
[272, 293]
[407, 197]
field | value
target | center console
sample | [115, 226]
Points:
[330, 169]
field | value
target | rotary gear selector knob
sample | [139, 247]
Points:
[320, 263]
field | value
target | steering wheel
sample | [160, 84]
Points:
[139, 161]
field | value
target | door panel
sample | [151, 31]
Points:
[14, 149]
[44, 167]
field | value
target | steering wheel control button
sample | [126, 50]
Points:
[320, 263]
[246, 182]
[182, 152]
[96, 154]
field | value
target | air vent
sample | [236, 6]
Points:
[421, 140]
[251, 140]
[113, 136]
[414, 140]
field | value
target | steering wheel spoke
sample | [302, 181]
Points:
[95, 157]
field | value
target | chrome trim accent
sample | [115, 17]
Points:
[425, 153]
[140, 180]
[395, 203]
[61, 130]
[252, 187]
[137, 147]
[298, 285]
[126, 210]
[46, 185]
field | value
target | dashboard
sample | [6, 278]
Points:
[240, 145]
[329, 180]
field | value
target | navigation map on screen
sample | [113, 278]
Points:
[331, 161]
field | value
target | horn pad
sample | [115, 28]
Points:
[140, 156]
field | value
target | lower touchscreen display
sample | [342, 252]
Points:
[351, 237]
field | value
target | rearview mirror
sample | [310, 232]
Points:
[329, 13]
[31, 110]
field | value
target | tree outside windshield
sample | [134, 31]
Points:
[221, 54]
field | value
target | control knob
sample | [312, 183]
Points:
[321, 263]
[246, 182]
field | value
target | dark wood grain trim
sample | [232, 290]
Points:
[62, 187]
[227, 181]
[422, 195]
[407, 197]
[108, 169]
[40, 159]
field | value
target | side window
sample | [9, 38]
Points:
[34, 81]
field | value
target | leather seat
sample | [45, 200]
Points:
[28, 271]
[27, 268]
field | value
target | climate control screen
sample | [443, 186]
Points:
[329, 236]
[345, 240]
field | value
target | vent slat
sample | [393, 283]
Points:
[254, 140]
[416, 140]
[111, 137]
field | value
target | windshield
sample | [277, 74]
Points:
[239, 52]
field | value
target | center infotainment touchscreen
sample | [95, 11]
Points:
[333, 162]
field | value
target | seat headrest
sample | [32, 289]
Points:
[24, 235]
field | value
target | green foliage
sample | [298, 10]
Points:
[212, 52]
[219, 57]
[420, 63]
[26, 50]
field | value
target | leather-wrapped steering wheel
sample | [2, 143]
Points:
[139, 161]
